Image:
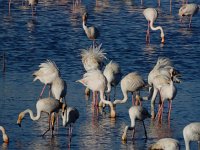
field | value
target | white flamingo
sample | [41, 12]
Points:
[191, 132]
[91, 32]
[4, 135]
[69, 117]
[151, 15]
[136, 113]
[132, 82]
[47, 105]
[113, 74]
[92, 59]
[47, 73]
[59, 89]
[188, 10]
[165, 144]
[96, 81]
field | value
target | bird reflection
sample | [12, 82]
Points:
[31, 25]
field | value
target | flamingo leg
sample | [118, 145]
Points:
[148, 33]
[49, 125]
[190, 21]
[9, 3]
[42, 90]
[159, 112]
[145, 131]
[170, 108]
[153, 98]
[159, 3]
[133, 99]
[114, 92]
[133, 133]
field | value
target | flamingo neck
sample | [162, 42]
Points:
[125, 94]
[37, 117]
[108, 88]
[157, 28]
[84, 26]
[2, 130]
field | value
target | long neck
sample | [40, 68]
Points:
[37, 117]
[102, 97]
[2, 130]
[125, 94]
[157, 28]
[108, 87]
[187, 145]
[84, 25]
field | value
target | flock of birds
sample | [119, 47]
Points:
[161, 83]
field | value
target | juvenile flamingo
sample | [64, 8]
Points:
[151, 15]
[188, 10]
[113, 74]
[91, 32]
[165, 144]
[136, 113]
[69, 117]
[47, 105]
[191, 132]
[4, 135]
[96, 81]
[132, 82]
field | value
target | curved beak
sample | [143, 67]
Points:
[19, 124]
[163, 40]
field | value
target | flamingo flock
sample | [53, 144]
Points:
[101, 78]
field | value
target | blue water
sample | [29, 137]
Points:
[56, 33]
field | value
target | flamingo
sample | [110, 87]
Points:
[59, 89]
[188, 10]
[151, 15]
[69, 116]
[96, 81]
[4, 135]
[136, 113]
[113, 74]
[91, 32]
[47, 105]
[165, 144]
[47, 73]
[132, 82]
[92, 59]
[191, 132]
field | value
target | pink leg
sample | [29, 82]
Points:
[133, 99]
[43, 90]
[9, 3]
[170, 108]
[148, 33]
[93, 97]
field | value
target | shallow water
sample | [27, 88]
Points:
[56, 33]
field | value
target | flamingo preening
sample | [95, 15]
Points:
[136, 113]
[91, 32]
[4, 135]
[165, 144]
[188, 10]
[113, 74]
[47, 105]
[132, 82]
[96, 81]
[69, 117]
[151, 15]
[49, 73]
[191, 132]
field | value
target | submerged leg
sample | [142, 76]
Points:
[145, 131]
[49, 125]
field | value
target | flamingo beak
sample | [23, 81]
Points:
[163, 40]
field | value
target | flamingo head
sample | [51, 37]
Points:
[85, 16]
[20, 117]
[5, 138]
[124, 138]
[163, 39]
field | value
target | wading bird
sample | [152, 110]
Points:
[132, 82]
[165, 144]
[69, 117]
[188, 10]
[91, 32]
[47, 105]
[136, 113]
[191, 132]
[113, 74]
[96, 81]
[4, 135]
[151, 15]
